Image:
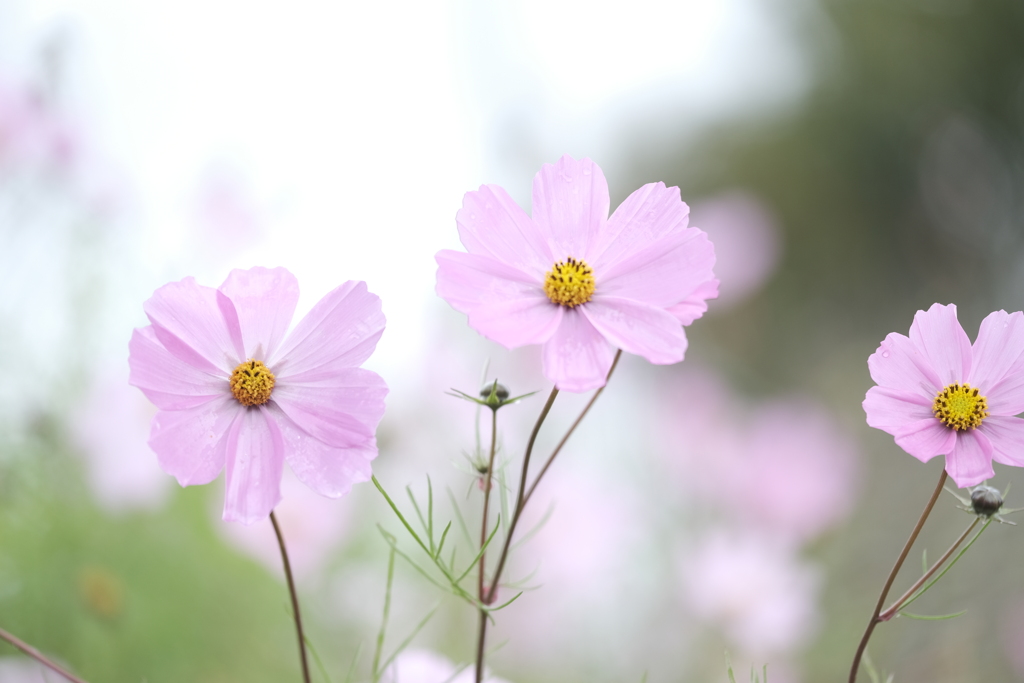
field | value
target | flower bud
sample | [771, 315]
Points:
[494, 394]
[986, 500]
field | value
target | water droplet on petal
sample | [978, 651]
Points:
[885, 354]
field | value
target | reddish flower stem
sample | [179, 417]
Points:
[890, 612]
[295, 599]
[875, 620]
[38, 656]
[524, 496]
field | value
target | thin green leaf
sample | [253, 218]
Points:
[350, 676]
[423, 521]
[924, 561]
[506, 603]
[430, 512]
[444, 535]
[535, 528]
[940, 617]
[728, 668]
[375, 672]
[869, 666]
[415, 565]
[459, 518]
[503, 498]
[483, 549]
[316, 658]
[398, 512]
[405, 643]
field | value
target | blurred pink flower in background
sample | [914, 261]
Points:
[32, 134]
[590, 563]
[747, 242]
[110, 426]
[227, 219]
[575, 280]
[939, 395]
[423, 666]
[1012, 634]
[234, 392]
[757, 591]
[25, 670]
[312, 525]
[784, 466]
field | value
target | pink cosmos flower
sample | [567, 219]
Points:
[939, 395]
[759, 592]
[233, 391]
[575, 280]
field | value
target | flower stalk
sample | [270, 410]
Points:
[487, 597]
[895, 607]
[875, 617]
[295, 599]
[38, 656]
[482, 579]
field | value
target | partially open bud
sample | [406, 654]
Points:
[986, 500]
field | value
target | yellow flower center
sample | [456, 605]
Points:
[252, 382]
[960, 407]
[569, 283]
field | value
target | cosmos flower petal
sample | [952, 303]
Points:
[662, 273]
[890, 409]
[265, 300]
[578, 357]
[926, 438]
[190, 444]
[502, 303]
[1007, 437]
[696, 304]
[341, 410]
[166, 380]
[998, 346]
[637, 328]
[492, 224]
[340, 331]
[647, 215]
[255, 458]
[328, 470]
[901, 365]
[970, 463]
[1007, 397]
[189, 321]
[939, 336]
[570, 205]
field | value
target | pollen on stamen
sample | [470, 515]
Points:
[252, 382]
[569, 283]
[960, 406]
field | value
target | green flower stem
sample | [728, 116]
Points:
[481, 580]
[892, 577]
[905, 598]
[38, 656]
[525, 493]
[295, 599]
